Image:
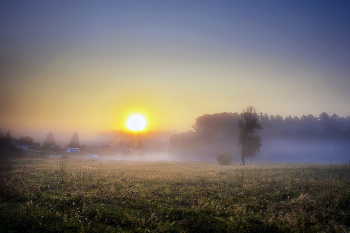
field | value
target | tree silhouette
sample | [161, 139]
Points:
[8, 137]
[213, 134]
[74, 141]
[50, 140]
[139, 145]
[248, 141]
[121, 144]
[210, 124]
[26, 140]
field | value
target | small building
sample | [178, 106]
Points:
[72, 150]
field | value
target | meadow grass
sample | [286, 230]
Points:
[87, 196]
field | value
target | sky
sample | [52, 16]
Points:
[87, 65]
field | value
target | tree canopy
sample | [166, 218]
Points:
[50, 140]
[74, 141]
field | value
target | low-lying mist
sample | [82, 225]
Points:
[309, 139]
[274, 151]
[149, 157]
[304, 151]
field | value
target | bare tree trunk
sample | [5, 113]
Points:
[243, 153]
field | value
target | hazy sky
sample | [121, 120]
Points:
[87, 65]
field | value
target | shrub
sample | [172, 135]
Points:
[224, 159]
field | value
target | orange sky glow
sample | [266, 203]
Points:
[170, 62]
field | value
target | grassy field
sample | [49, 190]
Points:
[88, 196]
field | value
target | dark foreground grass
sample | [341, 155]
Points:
[86, 196]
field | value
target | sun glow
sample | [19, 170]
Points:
[136, 122]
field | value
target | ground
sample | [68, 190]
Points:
[91, 196]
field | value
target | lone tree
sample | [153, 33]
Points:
[74, 142]
[248, 140]
[50, 140]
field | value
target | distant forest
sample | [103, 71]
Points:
[292, 139]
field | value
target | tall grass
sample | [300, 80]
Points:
[85, 196]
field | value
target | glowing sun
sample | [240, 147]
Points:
[136, 122]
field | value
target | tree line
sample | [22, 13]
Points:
[308, 126]
[213, 134]
[7, 140]
[12, 147]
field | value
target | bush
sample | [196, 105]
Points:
[224, 159]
